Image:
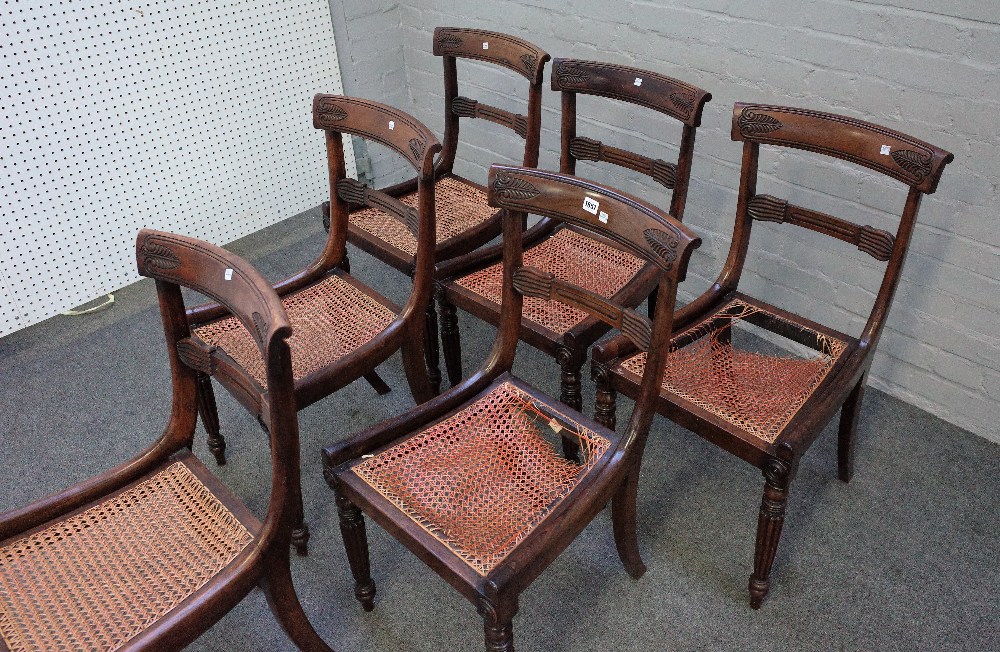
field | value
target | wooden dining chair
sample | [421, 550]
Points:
[149, 555]
[764, 407]
[343, 328]
[474, 282]
[471, 481]
[465, 220]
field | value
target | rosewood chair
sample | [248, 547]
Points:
[474, 282]
[343, 328]
[471, 481]
[766, 408]
[465, 220]
[150, 554]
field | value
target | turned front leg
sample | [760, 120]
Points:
[605, 410]
[432, 354]
[777, 476]
[451, 343]
[352, 528]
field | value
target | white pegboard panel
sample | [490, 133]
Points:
[192, 117]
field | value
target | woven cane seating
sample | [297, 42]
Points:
[464, 219]
[472, 282]
[153, 552]
[473, 481]
[767, 401]
[343, 329]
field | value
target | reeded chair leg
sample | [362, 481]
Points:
[623, 511]
[570, 361]
[849, 414]
[772, 517]
[499, 636]
[605, 408]
[432, 353]
[300, 532]
[352, 528]
[284, 603]
[451, 343]
[209, 413]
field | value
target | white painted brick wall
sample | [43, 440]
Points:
[927, 68]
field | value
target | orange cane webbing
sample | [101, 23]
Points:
[756, 392]
[458, 208]
[569, 256]
[483, 479]
[97, 579]
[329, 320]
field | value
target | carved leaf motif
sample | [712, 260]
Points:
[570, 76]
[683, 101]
[915, 163]
[753, 124]
[449, 41]
[508, 187]
[158, 256]
[417, 146]
[330, 110]
[529, 62]
[664, 245]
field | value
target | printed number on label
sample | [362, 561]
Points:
[229, 274]
[638, 81]
[590, 205]
[884, 150]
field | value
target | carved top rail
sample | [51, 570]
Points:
[658, 92]
[637, 226]
[383, 124]
[519, 55]
[875, 242]
[893, 153]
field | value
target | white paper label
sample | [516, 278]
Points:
[392, 125]
[555, 426]
[603, 217]
[638, 81]
[486, 46]
[590, 205]
[229, 274]
[884, 150]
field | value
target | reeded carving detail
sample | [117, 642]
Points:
[585, 149]
[510, 187]
[754, 124]
[570, 76]
[528, 60]
[351, 191]
[767, 208]
[682, 101]
[663, 172]
[664, 244]
[875, 242]
[917, 164]
[196, 356]
[637, 328]
[330, 111]
[157, 256]
[533, 282]
[417, 147]
[449, 42]
[464, 107]
[260, 325]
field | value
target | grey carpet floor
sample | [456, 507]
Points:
[905, 557]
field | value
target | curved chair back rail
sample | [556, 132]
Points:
[524, 58]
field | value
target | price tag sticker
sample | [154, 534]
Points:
[590, 205]
[392, 125]
[885, 150]
[486, 46]
[556, 428]
[603, 217]
[229, 274]
[637, 82]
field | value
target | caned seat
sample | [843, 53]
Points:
[153, 552]
[766, 399]
[460, 207]
[343, 329]
[465, 221]
[473, 481]
[331, 319]
[97, 578]
[602, 266]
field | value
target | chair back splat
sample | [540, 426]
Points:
[727, 386]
